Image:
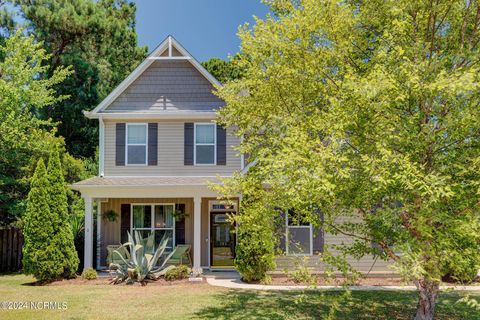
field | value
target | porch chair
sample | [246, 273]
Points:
[181, 254]
[114, 258]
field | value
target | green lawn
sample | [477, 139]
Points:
[201, 301]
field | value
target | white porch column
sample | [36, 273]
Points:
[101, 147]
[197, 239]
[99, 232]
[88, 250]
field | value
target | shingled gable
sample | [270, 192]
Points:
[168, 81]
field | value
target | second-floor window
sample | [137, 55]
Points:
[136, 149]
[205, 143]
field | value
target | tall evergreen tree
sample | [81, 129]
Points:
[224, 70]
[62, 236]
[41, 256]
[98, 39]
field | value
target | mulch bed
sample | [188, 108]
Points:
[107, 280]
[322, 281]
[367, 281]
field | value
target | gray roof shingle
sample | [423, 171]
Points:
[146, 181]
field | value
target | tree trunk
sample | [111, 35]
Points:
[428, 291]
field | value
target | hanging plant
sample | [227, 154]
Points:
[179, 214]
[110, 215]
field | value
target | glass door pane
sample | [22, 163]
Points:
[222, 237]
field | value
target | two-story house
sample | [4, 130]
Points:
[159, 148]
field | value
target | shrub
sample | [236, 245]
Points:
[255, 247]
[464, 272]
[267, 280]
[301, 275]
[49, 250]
[42, 256]
[62, 236]
[89, 274]
[464, 264]
[177, 273]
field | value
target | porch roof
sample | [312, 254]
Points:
[146, 181]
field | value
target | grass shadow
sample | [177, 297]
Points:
[318, 305]
[14, 275]
[10, 273]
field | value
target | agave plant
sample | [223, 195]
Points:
[143, 262]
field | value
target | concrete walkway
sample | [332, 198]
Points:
[232, 281]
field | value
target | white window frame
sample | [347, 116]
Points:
[136, 144]
[297, 227]
[152, 223]
[195, 144]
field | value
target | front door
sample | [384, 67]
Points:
[222, 240]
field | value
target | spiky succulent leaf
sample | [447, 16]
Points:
[142, 261]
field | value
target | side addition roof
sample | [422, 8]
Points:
[145, 181]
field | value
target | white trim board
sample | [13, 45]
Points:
[161, 115]
[165, 45]
[169, 58]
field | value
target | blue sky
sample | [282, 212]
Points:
[206, 28]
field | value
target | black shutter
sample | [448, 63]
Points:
[152, 144]
[281, 231]
[221, 146]
[318, 236]
[120, 145]
[188, 144]
[180, 224]
[124, 222]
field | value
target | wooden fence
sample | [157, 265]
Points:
[11, 243]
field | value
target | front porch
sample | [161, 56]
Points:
[182, 212]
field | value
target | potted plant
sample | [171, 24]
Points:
[179, 215]
[110, 215]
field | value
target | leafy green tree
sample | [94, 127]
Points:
[62, 235]
[222, 70]
[42, 257]
[23, 137]
[369, 111]
[255, 249]
[98, 39]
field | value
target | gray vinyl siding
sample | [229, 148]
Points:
[170, 154]
[168, 86]
[367, 264]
